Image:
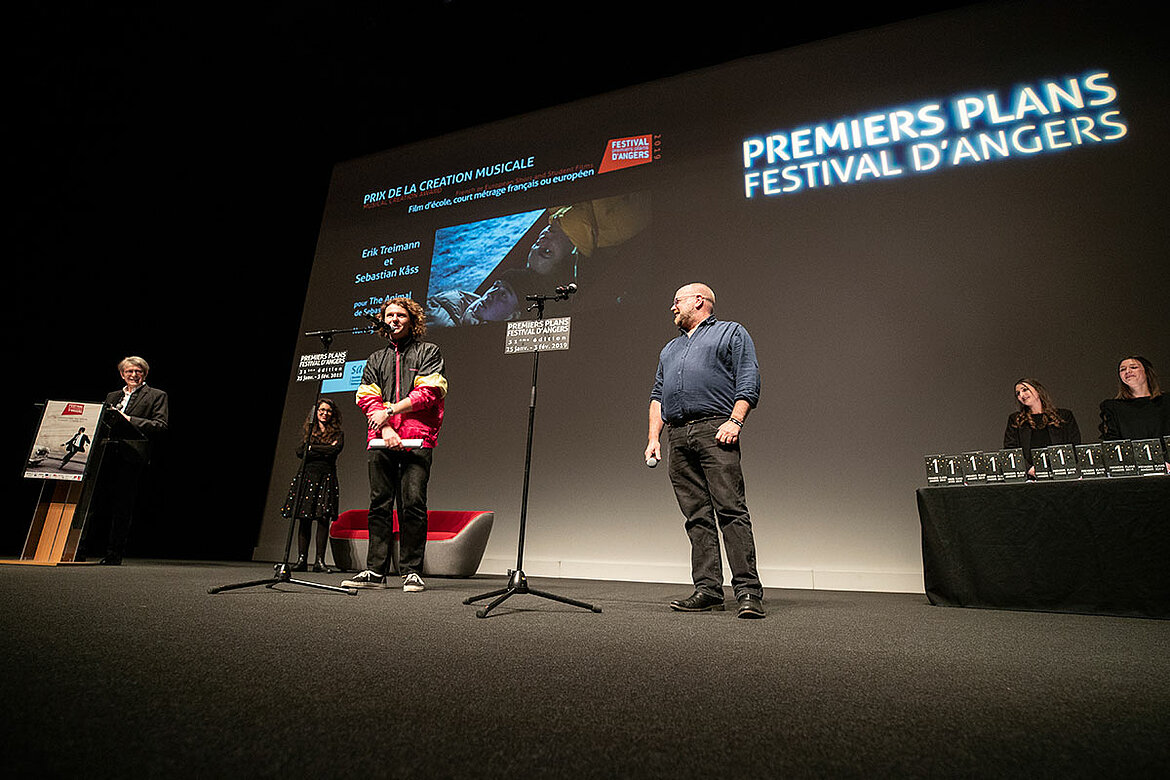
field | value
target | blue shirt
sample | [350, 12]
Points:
[704, 374]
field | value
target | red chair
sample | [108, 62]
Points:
[455, 541]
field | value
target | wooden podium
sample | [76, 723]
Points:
[63, 507]
[53, 536]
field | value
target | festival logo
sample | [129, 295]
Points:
[628, 152]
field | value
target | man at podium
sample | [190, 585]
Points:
[140, 415]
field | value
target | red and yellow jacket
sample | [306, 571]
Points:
[415, 369]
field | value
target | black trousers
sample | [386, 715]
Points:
[708, 484]
[398, 477]
[119, 483]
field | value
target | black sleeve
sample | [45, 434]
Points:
[1108, 427]
[326, 451]
[156, 416]
[322, 451]
[1011, 434]
[1073, 434]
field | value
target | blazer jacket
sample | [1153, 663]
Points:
[149, 413]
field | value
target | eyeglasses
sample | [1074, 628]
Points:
[677, 301]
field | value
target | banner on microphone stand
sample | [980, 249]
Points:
[319, 366]
[537, 336]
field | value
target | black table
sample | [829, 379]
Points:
[1086, 546]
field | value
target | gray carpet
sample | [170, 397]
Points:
[137, 670]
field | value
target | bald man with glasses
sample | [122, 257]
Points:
[707, 383]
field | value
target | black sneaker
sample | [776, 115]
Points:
[367, 579]
[750, 606]
[698, 602]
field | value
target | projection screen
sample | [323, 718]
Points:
[906, 220]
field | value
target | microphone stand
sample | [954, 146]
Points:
[282, 572]
[517, 580]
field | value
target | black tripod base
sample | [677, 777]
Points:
[282, 573]
[518, 583]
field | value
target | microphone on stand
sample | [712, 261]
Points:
[377, 323]
[562, 294]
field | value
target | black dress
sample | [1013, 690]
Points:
[1031, 437]
[1135, 418]
[319, 500]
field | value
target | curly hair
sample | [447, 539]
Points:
[1048, 413]
[418, 317]
[313, 433]
[1152, 385]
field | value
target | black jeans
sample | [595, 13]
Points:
[708, 484]
[402, 476]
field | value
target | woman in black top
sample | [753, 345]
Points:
[322, 443]
[1037, 423]
[1139, 410]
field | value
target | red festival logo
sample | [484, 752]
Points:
[71, 409]
[628, 152]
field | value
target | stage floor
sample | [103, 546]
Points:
[135, 670]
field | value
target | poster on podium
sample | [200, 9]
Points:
[64, 441]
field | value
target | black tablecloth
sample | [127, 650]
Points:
[1089, 546]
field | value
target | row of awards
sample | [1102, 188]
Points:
[1123, 458]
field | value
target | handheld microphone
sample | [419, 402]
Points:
[652, 461]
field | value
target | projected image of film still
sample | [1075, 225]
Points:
[481, 271]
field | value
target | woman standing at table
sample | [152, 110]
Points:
[1139, 410]
[1037, 423]
[317, 480]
